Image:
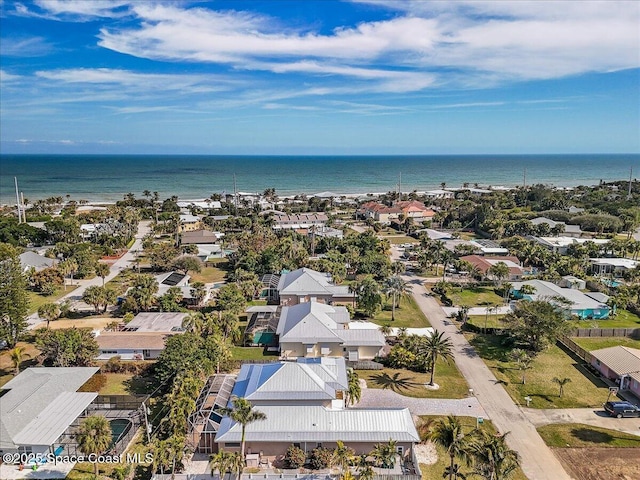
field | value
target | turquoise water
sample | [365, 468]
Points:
[109, 177]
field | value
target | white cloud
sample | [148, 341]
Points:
[74, 10]
[473, 41]
[6, 77]
[25, 47]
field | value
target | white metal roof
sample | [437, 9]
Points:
[578, 300]
[307, 321]
[47, 427]
[319, 424]
[615, 262]
[156, 322]
[305, 281]
[31, 392]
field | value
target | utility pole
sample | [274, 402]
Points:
[15, 179]
[630, 177]
[235, 196]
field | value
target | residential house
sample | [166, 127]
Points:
[573, 231]
[569, 281]
[313, 329]
[200, 237]
[205, 204]
[415, 210]
[326, 232]
[439, 194]
[619, 364]
[33, 261]
[385, 215]
[304, 406]
[180, 281]
[575, 302]
[305, 285]
[163, 322]
[131, 345]
[39, 405]
[561, 244]
[484, 263]
[299, 221]
[612, 266]
[488, 247]
[189, 223]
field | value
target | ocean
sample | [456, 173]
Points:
[108, 177]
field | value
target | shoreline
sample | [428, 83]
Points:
[108, 199]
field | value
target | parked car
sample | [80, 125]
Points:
[622, 409]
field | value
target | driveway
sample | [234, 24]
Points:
[124, 262]
[374, 397]
[588, 416]
[538, 461]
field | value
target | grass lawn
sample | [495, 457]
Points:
[475, 296]
[6, 365]
[211, 274]
[580, 435]
[597, 343]
[124, 384]
[408, 314]
[252, 353]
[95, 323]
[411, 384]
[36, 300]
[584, 390]
[623, 319]
[490, 321]
[435, 471]
[400, 238]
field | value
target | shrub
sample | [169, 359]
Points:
[321, 458]
[295, 457]
[113, 365]
[94, 384]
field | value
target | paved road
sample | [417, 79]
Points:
[588, 416]
[124, 262]
[468, 407]
[538, 461]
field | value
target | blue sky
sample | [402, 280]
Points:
[320, 77]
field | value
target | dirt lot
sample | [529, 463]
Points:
[600, 463]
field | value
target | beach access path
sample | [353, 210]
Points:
[124, 262]
[538, 461]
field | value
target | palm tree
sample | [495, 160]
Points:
[365, 471]
[18, 354]
[243, 413]
[354, 391]
[385, 453]
[455, 470]
[499, 271]
[102, 270]
[385, 330]
[342, 456]
[397, 288]
[522, 359]
[492, 458]
[50, 312]
[437, 346]
[225, 462]
[450, 436]
[94, 437]
[393, 382]
[561, 383]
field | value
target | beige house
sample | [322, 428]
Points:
[189, 223]
[313, 329]
[306, 285]
[131, 345]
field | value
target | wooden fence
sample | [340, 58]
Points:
[575, 348]
[607, 332]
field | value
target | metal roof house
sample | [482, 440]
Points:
[32, 260]
[313, 329]
[620, 364]
[578, 303]
[305, 285]
[303, 404]
[39, 406]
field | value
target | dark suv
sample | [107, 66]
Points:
[622, 409]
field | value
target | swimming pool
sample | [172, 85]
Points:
[119, 428]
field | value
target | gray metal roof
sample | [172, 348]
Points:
[305, 281]
[156, 322]
[320, 424]
[30, 259]
[307, 322]
[621, 360]
[52, 422]
[578, 300]
[362, 337]
[31, 392]
[281, 381]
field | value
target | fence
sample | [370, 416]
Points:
[607, 332]
[575, 348]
